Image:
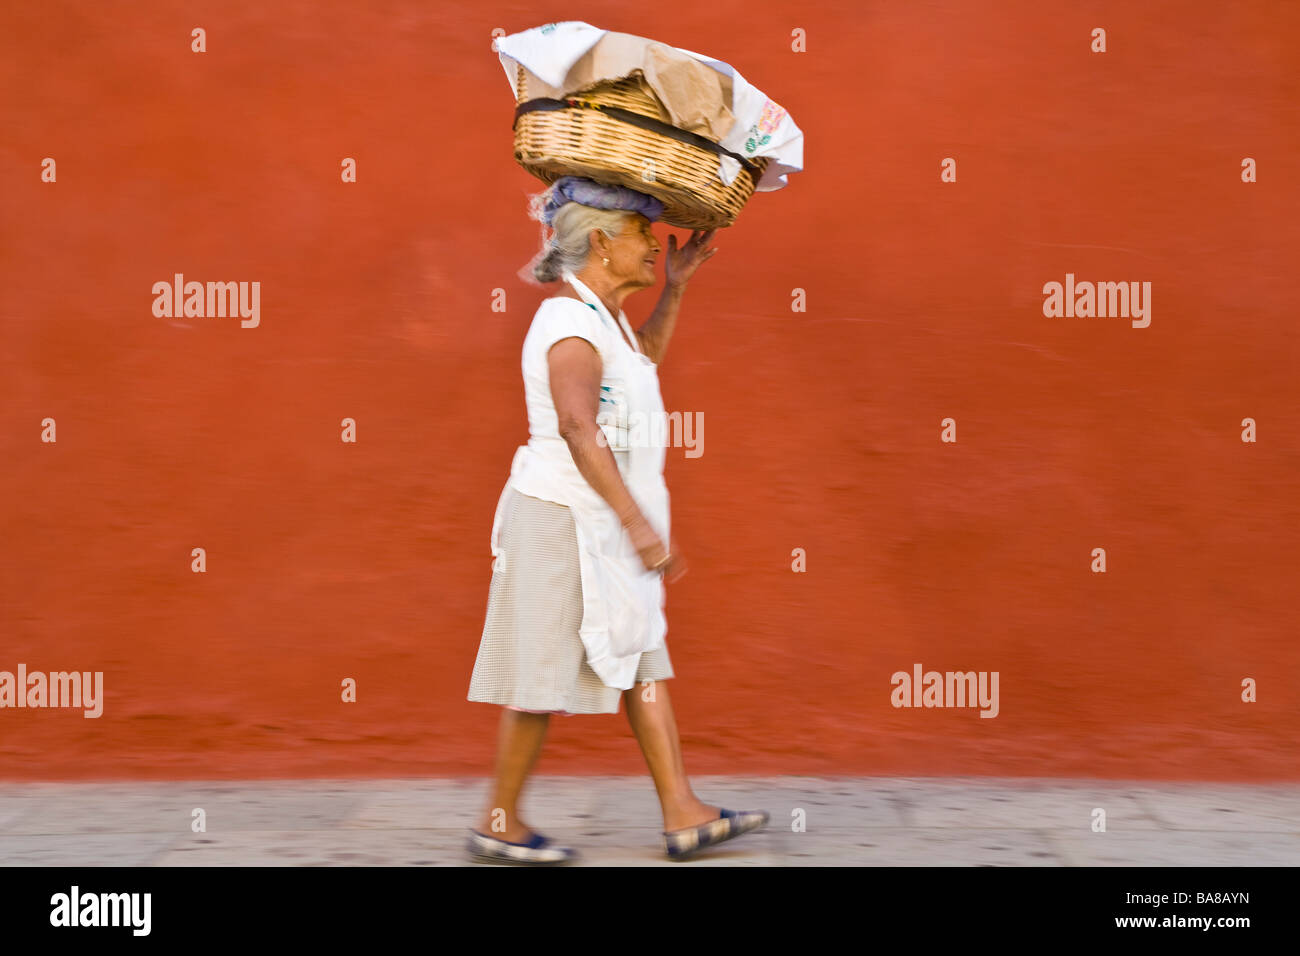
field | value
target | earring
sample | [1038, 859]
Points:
[606, 260]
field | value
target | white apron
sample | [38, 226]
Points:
[623, 604]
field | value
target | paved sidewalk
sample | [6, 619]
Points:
[614, 821]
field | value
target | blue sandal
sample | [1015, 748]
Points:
[682, 844]
[536, 851]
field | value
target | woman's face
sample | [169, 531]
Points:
[633, 254]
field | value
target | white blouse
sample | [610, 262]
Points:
[623, 604]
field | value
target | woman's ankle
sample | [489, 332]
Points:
[502, 826]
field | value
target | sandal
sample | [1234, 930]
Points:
[536, 851]
[682, 844]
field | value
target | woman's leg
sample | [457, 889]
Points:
[518, 745]
[656, 731]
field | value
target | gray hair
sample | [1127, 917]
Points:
[570, 247]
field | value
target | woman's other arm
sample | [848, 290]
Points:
[575, 370]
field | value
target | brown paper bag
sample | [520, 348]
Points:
[695, 97]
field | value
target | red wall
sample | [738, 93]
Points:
[329, 560]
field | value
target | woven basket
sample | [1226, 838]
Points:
[576, 137]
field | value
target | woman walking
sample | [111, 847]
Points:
[581, 537]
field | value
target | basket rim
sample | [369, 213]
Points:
[550, 104]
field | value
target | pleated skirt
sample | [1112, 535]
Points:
[531, 656]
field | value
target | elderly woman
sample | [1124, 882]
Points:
[580, 540]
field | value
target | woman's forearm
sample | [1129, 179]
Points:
[658, 329]
[596, 464]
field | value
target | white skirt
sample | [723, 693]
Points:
[530, 656]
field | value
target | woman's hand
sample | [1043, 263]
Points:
[680, 264]
[655, 556]
[676, 565]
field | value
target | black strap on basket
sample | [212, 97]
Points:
[644, 122]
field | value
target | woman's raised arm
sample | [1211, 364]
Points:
[679, 267]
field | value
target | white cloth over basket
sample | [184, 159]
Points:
[762, 128]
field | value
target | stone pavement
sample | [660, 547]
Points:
[614, 821]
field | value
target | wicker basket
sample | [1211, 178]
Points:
[596, 133]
